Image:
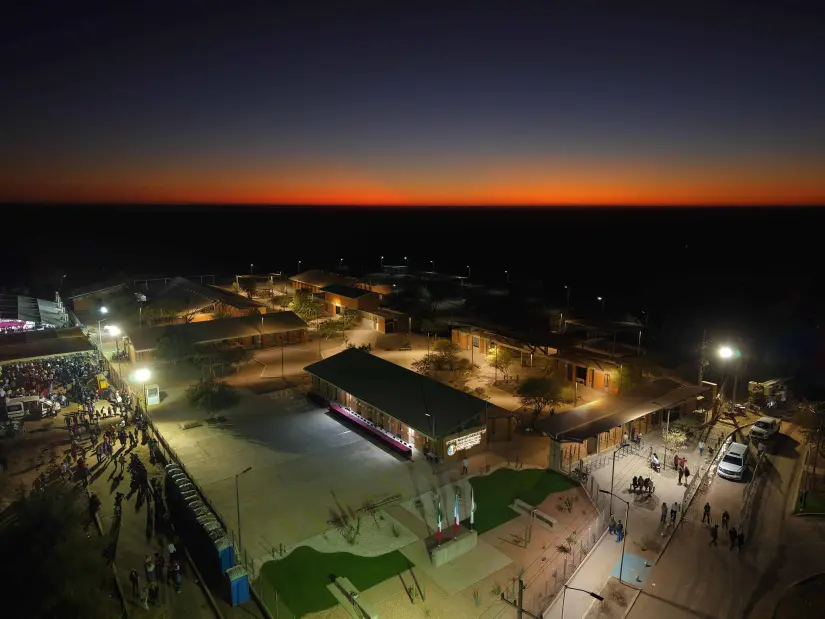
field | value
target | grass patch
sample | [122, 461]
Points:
[302, 577]
[495, 493]
[814, 505]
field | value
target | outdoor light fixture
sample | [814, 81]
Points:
[104, 310]
[112, 330]
[726, 352]
[142, 375]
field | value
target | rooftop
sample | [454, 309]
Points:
[197, 295]
[592, 419]
[399, 392]
[321, 279]
[345, 291]
[28, 345]
[218, 330]
[41, 311]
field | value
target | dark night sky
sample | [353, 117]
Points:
[445, 103]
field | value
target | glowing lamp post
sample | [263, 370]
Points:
[726, 353]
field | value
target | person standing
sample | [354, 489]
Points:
[160, 564]
[134, 578]
[664, 512]
[701, 448]
[674, 509]
[465, 466]
[144, 597]
[676, 463]
[706, 513]
[733, 537]
[681, 472]
[714, 534]
[725, 519]
[687, 473]
[619, 531]
[149, 566]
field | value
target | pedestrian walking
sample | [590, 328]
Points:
[681, 472]
[664, 512]
[144, 597]
[149, 566]
[687, 473]
[134, 578]
[612, 526]
[675, 461]
[160, 564]
[674, 509]
[706, 513]
[625, 440]
[122, 460]
[701, 448]
[725, 519]
[714, 535]
[619, 531]
[740, 540]
[733, 537]
[465, 466]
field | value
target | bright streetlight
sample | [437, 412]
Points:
[601, 299]
[103, 310]
[112, 330]
[382, 262]
[567, 288]
[250, 268]
[726, 352]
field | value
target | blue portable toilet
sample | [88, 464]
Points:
[238, 585]
[226, 554]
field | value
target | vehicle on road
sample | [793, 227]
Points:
[765, 428]
[734, 463]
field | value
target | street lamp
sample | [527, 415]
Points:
[567, 288]
[382, 262]
[432, 425]
[507, 276]
[624, 532]
[602, 301]
[238, 502]
[432, 265]
[613, 473]
[142, 375]
[407, 260]
[726, 353]
[341, 263]
[299, 266]
[595, 596]
[103, 310]
[469, 272]
[250, 268]
[114, 332]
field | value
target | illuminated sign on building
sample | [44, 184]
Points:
[465, 442]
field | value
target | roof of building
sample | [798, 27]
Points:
[218, 330]
[345, 291]
[109, 285]
[41, 311]
[197, 295]
[27, 345]
[592, 419]
[316, 277]
[399, 392]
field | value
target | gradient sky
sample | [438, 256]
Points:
[477, 103]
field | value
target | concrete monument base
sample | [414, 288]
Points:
[461, 543]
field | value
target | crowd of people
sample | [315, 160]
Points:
[53, 378]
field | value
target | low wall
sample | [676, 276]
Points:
[454, 548]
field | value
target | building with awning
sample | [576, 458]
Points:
[18, 310]
[260, 331]
[601, 424]
[416, 410]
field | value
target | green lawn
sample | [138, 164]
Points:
[814, 505]
[495, 493]
[302, 577]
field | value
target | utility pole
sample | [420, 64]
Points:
[703, 356]
[518, 604]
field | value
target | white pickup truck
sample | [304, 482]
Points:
[765, 428]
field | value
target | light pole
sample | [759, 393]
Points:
[469, 272]
[432, 265]
[432, 425]
[590, 593]
[115, 332]
[726, 353]
[250, 268]
[238, 502]
[407, 260]
[624, 532]
[142, 375]
[103, 310]
[341, 263]
[382, 263]
[639, 346]
[602, 302]
[613, 473]
[567, 288]
[299, 266]
[507, 276]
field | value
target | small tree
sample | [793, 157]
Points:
[674, 440]
[447, 354]
[329, 329]
[281, 300]
[349, 318]
[540, 392]
[426, 365]
[221, 311]
[175, 347]
[212, 395]
[500, 359]
[251, 287]
[306, 306]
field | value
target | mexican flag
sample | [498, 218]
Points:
[455, 514]
[472, 507]
[440, 519]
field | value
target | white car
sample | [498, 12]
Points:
[764, 429]
[734, 463]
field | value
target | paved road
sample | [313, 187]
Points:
[693, 579]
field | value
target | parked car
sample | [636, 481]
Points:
[765, 428]
[734, 463]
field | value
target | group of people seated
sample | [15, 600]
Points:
[645, 485]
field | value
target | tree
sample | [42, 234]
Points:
[674, 440]
[306, 306]
[251, 287]
[281, 300]
[539, 393]
[447, 354]
[174, 347]
[221, 311]
[426, 365]
[56, 565]
[212, 395]
[349, 318]
[500, 359]
[329, 329]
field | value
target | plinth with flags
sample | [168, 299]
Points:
[440, 519]
[457, 518]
